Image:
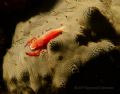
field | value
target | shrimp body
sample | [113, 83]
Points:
[38, 44]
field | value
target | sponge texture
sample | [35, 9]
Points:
[90, 30]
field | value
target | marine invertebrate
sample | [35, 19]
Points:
[41, 43]
[65, 55]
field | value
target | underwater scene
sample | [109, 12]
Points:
[59, 46]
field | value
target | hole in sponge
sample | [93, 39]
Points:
[55, 46]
